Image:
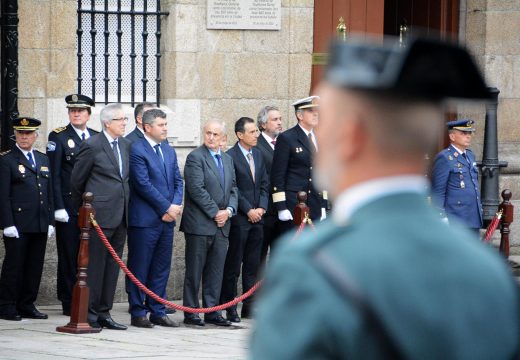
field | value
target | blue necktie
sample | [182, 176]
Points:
[220, 168]
[31, 161]
[158, 152]
[82, 136]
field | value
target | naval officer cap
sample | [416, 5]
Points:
[79, 101]
[306, 103]
[462, 125]
[426, 69]
[26, 124]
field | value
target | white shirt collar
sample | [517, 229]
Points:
[141, 130]
[25, 152]
[109, 138]
[80, 132]
[359, 195]
[459, 150]
[244, 150]
[268, 138]
[306, 131]
[150, 141]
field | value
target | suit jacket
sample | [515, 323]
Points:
[26, 199]
[62, 149]
[292, 172]
[153, 186]
[205, 195]
[455, 189]
[96, 171]
[436, 271]
[135, 135]
[267, 155]
[251, 194]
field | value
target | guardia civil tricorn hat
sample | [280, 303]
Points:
[426, 69]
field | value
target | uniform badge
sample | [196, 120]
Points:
[44, 168]
[24, 122]
[450, 157]
[71, 143]
[51, 146]
[75, 98]
[462, 185]
[21, 169]
[459, 165]
[456, 154]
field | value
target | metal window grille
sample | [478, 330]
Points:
[113, 42]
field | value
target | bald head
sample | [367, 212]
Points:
[214, 131]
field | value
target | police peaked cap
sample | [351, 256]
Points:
[425, 69]
[79, 101]
[26, 124]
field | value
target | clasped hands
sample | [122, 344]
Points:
[221, 217]
[171, 214]
[255, 215]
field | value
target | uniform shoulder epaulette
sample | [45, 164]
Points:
[5, 152]
[60, 129]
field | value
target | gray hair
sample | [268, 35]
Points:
[263, 115]
[108, 112]
[149, 116]
[215, 121]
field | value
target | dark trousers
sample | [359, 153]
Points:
[245, 246]
[67, 246]
[21, 272]
[149, 259]
[271, 233]
[103, 272]
[205, 257]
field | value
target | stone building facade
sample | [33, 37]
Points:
[226, 74]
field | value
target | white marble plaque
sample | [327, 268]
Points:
[244, 14]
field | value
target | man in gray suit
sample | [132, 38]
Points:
[211, 199]
[138, 132]
[102, 168]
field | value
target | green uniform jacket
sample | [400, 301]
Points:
[439, 293]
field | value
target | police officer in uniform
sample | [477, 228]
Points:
[62, 149]
[27, 217]
[291, 171]
[455, 189]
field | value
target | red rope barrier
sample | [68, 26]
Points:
[170, 304]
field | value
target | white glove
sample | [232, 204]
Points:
[50, 231]
[61, 215]
[284, 215]
[445, 220]
[323, 214]
[11, 231]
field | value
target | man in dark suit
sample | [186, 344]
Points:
[292, 166]
[102, 168]
[138, 132]
[246, 234]
[156, 189]
[62, 149]
[269, 122]
[455, 189]
[27, 217]
[211, 199]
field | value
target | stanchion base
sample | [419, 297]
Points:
[81, 328]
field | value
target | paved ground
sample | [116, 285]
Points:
[38, 339]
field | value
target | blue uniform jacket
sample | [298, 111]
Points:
[455, 188]
[153, 187]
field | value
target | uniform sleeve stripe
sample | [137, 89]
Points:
[325, 195]
[279, 196]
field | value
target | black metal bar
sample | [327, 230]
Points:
[132, 13]
[158, 55]
[79, 33]
[9, 64]
[106, 54]
[132, 54]
[145, 53]
[119, 51]
[490, 165]
[93, 55]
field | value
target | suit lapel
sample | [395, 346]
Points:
[107, 147]
[155, 157]
[211, 163]
[243, 161]
[302, 138]
[264, 144]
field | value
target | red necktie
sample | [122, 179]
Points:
[273, 142]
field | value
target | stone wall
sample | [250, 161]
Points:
[491, 31]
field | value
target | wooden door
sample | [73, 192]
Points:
[379, 18]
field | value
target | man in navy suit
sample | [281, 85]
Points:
[156, 189]
[455, 189]
[138, 132]
[246, 234]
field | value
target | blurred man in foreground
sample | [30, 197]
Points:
[385, 278]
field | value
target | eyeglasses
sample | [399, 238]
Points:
[125, 119]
